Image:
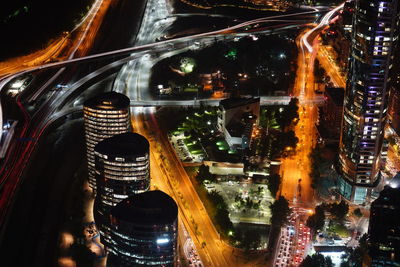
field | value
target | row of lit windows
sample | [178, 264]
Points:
[107, 116]
[123, 164]
[133, 168]
[91, 111]
[106, 128]
[104, 120]
[138, 176]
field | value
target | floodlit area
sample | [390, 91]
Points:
[248, 202]
[186, 151]
[18, 85]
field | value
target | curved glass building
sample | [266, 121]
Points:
[144, 230]
[105, 115]
[122, 169]
[374, 41]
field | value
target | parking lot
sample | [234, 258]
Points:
[182, 150]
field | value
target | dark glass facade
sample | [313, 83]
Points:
[144, 230]
[105, 115]
[374, 40]
[122, 169]
[384, 228]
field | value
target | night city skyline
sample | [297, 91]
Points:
[197, 133]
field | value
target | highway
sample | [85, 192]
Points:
[295, 170]
[158, 46]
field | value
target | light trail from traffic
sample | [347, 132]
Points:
[324, 22]
[37, 130]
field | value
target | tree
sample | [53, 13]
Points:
[317, 220]
[316, 260]
[287, 139]
[268, 119]
[82, 255]
[205, 174]
[221, 211]
[319, 72]
[357, 212]
[274, 182]
[339, 210]
[353, 257]
[280, 211]
[289, 113]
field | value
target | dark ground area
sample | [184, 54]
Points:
[39, 210]
[27, 25]
[50, 193]
[120, 25]
[241, 13]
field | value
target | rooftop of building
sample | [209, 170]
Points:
[107, 101]
[390, 195]
[337, 95]
[234, 102]
[329, 248]
[151, 207]
[123, 145]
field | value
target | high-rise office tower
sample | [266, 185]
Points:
[374, 41]
[384, 227]
[122, 169]
[105, 115]
[144, 230]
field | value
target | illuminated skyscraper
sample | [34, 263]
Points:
[105, 115]
[374, 41]
[144, 230]
[122, 169]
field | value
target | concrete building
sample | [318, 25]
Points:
[384, 227]
[122, 169]
[144, 230]
[236, 118]
[394, 110]
[374, 41]
[105, 115]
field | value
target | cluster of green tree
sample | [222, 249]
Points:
[272, 118]
[221, 212]
[247, 203]
[269, 64]
[316, 260]
[319, 72]
[317, 220]
[357, 212]
[281, 139]
[269, 117]
[249, 239]
[353, 257]
[316, 160]
[338, 212]
[274, 182]
[204, 174]
[290, 114]
[79, 251]
[280, 212]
